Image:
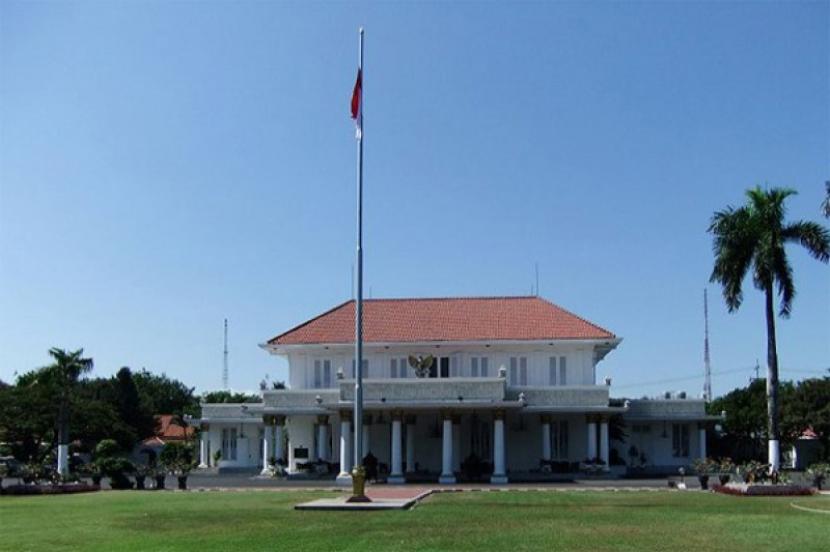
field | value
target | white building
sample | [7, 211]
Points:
[512, 395]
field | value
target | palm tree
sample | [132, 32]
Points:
[65, 373]
[753, 237]
[825, 205]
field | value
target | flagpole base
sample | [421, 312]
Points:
[358, 486]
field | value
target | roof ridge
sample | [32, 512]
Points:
[450, 298]
[597, 326]
[310, 320]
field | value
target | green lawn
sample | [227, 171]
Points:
[250, 520]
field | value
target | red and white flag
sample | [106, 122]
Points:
[357, 105]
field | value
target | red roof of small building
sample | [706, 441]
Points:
[445, 319]
[167, 430]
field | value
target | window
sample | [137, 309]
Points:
[559, 439]
[397, 367]
[563, 373]
[318, 374]
[680, 440]
[454, 366]
[327, 373]
[478, 367]
[365, 368]
[552, 371]
[518, 370]
[322, 374]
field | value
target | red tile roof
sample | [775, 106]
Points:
[168, 430]
[445, 319]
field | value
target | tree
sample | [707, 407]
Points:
[229, 397]
[130, 409]
[745, 427]
[825, 205]
[162, 395]
[753, 237]
[65, 372]
[811, 409]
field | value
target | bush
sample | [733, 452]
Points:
[109, 462]
[179, 458]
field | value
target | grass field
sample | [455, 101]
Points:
[534, 520]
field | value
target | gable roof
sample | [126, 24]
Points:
[445, 319]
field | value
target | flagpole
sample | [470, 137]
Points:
[358, 474]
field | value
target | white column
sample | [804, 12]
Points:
[546, 438]
[396, 475]
[63, 459]
[410, 445]
[267, 447]
[603, 443]
[774, 455]
[345, 475]
[279, 438]
[592, 440]
[701, 435]
[203, 446]
[447, 475]
[499, 473]
[323, 438]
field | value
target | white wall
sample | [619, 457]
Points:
[579, 361]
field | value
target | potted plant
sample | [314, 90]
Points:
[704, 467]
[819, 473]
[159, 474]
[753, 472]
[113, 465]
[217, 456]
[141, 472]
[30, 472]
[180, 458]
[725, 469]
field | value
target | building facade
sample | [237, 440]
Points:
[512, 394]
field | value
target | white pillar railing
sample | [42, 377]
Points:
[396, 475]
[279, 438]
[345, 475]
[499, 469]
[323, 438]
[546, 452]
[204, 436]
[267, 446]
[592, 439]
[447, 475]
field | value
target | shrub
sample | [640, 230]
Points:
[109, 462]
[179, 458]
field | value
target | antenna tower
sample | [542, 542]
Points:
[225, 359]
[707, 367]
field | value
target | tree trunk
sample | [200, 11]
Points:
[772, 385]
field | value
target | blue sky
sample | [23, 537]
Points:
[163, 166]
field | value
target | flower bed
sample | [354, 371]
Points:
[20, 490]
[744, 489]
